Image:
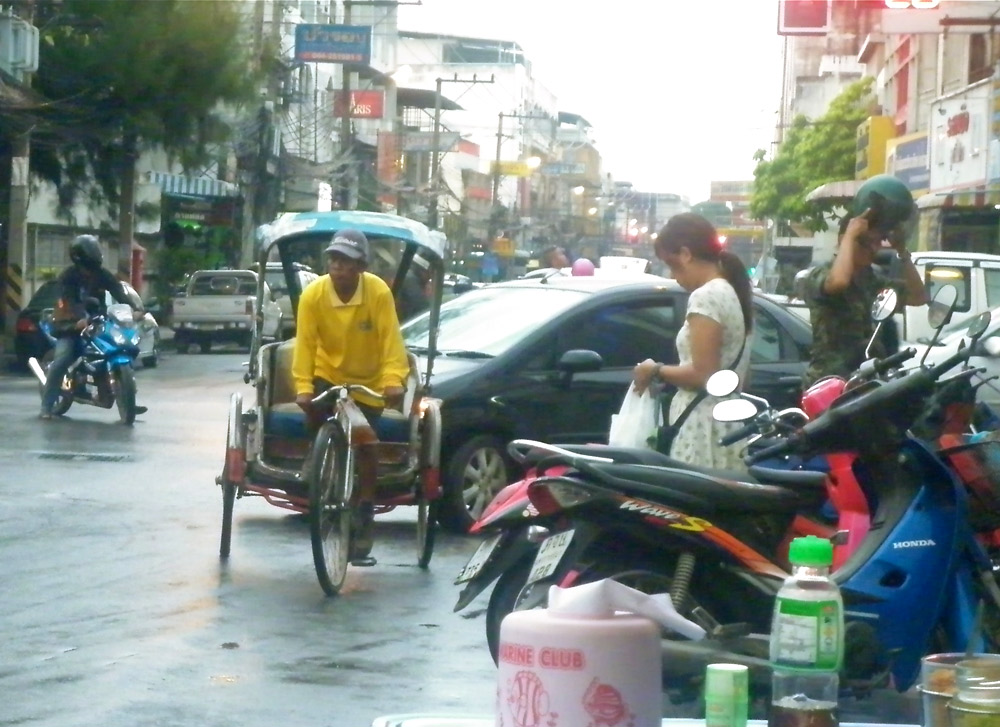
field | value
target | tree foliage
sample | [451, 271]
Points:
[813, 153]
[122, 76]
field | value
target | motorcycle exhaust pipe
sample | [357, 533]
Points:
[689, 658]
[36, 369]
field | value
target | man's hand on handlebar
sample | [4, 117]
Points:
[393, 396]
[305, 402]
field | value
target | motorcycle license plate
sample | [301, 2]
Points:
[549, 555]
[478, 559]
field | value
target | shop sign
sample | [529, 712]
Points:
[366, 104]
[333, 43]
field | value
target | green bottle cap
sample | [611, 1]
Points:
[811, 550]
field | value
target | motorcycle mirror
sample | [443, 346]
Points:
[734, 410]
[884, 305]
[722, 383]
[91, 305]
[940, 308]
[978, 325]
[882, 310]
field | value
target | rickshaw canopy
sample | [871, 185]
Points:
[373, 224]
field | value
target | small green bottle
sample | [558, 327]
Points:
[727, 695]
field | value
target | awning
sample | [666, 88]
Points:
[422, 98]
[192, 186]
[844, 189]
[981, 196]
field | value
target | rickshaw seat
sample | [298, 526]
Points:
[285, 419]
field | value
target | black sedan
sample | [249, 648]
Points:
[504, 371]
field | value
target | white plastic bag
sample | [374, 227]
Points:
[636, 421]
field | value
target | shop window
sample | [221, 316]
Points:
[992, 278]
[979, 58]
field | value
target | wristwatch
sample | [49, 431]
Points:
[903, 255]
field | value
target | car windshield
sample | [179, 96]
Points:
[275, 280]
[488, 321]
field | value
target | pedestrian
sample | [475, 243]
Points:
[347, 332]
[714, 336]
[840, 293]
[553, 256]
[86, 277]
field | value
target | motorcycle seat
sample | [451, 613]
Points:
[629, 455]
[705, 492]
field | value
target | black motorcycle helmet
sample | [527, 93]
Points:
[85, 251]
[889, 200]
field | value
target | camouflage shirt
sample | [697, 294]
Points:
[841, 322]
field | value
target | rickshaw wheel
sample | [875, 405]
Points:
[426, 527]
[329, 515]
[228, 503]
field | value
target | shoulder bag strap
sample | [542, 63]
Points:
[700, 396]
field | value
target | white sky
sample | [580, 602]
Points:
[679, 92]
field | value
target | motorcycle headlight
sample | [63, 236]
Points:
[118, 337]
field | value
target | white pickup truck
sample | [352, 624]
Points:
[218, 306]
[975, 275]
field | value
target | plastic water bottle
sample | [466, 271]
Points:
[807, 640]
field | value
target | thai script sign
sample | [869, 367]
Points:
[333, 43]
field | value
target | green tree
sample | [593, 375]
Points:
[813, 153]
[126, 76]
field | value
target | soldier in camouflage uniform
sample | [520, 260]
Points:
[840, 294]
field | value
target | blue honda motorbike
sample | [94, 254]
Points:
[103, 373]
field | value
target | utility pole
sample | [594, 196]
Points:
[17, 235]
[432, 213]
[495, 196]
[346, 144]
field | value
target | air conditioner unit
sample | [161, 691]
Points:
[18, 45]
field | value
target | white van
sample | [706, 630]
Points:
[975, 275]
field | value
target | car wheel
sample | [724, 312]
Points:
[473, 475]
[151, 360]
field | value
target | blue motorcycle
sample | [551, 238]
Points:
[103, 373]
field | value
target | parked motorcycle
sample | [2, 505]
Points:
[103, 373]
[842, 517]
[914, 584]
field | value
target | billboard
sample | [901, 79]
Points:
[959, 138]
[364, 104]
[803, 17]
[333, 43]
[904, 17]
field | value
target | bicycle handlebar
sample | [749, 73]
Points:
[351, 388]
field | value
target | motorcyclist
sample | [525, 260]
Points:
[84, 278]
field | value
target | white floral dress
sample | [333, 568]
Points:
[697, 440]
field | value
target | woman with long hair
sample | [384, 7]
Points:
[714, 336]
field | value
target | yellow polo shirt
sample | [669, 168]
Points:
[357, 342]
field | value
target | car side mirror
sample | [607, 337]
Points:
[578, 361]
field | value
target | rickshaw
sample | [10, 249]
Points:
[269, 451]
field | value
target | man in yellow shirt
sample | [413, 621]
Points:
[347, 333]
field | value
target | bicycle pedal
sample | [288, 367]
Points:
[366, 562]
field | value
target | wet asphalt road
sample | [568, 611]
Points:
[115, 608]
